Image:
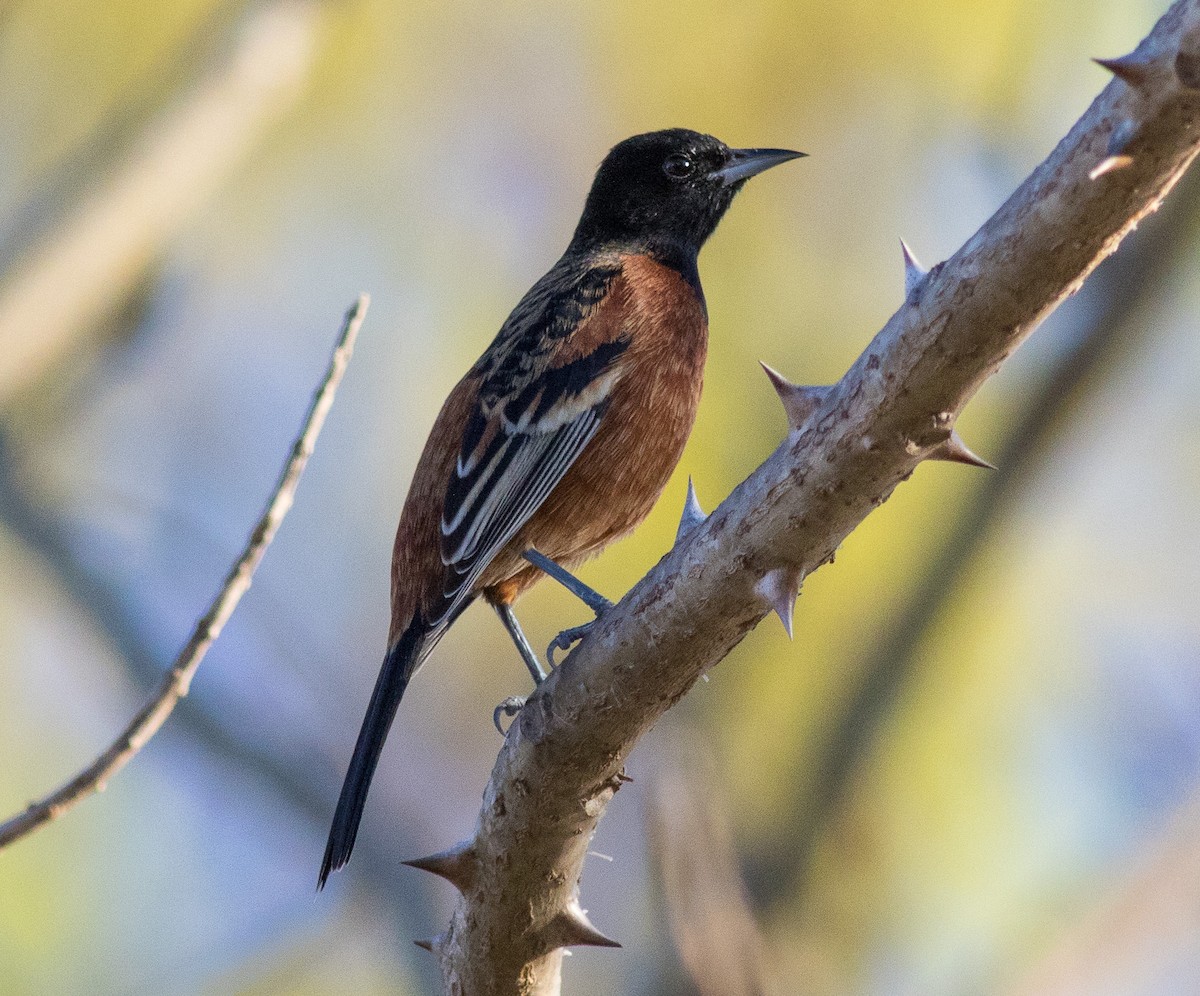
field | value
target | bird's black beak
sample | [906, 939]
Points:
[745, 163]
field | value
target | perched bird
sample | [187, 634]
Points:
[562, 436]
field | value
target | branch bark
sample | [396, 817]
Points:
[175, 683]
[563, 758]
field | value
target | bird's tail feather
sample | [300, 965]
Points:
[402, 660]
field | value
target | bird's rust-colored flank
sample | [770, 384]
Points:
[562, 436]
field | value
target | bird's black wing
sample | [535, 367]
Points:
[547, 383]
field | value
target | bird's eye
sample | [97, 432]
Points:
[678, 166]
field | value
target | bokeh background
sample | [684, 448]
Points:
[973, 769]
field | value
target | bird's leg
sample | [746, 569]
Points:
[509, 618]
[512, 705]
[589, 596]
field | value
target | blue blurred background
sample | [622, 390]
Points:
[983, 743]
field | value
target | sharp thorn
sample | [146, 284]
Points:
[799, 401]
[778, 380]
[914, 272]
[785, 616]
[692, 515]
[426, 945]
[572, 927]
[1134, 69]
[955, 450]
[457, 865]
[779, 588]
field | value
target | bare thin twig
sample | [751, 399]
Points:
[175, 682]
[298, 774]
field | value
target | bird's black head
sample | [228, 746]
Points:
[665, 191]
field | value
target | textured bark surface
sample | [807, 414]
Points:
[562, 760]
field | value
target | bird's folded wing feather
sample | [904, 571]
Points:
[521, 439]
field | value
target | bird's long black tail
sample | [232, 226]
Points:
[402, 660]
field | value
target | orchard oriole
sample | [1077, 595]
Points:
[562, 436]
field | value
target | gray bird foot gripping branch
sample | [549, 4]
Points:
[692, 516]
[512, 705]
[589, 596]
[568, 638]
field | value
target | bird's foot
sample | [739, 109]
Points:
[589, 596]
[564, 641]
[509, 707]
[568, 638]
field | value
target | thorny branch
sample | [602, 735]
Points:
[175, 682]
[1118, 328]
[849, 447]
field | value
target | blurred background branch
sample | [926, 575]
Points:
[699, 882]
[54, 295]
[58, 191]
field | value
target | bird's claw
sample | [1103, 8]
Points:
[567, 639]
[509, 707]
